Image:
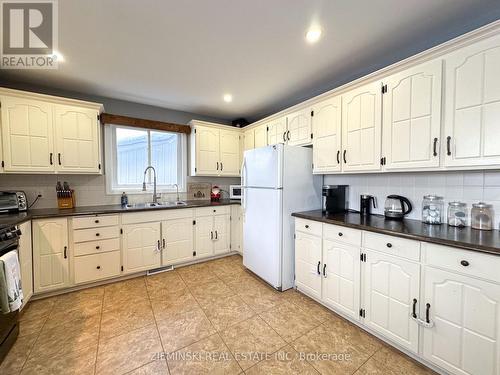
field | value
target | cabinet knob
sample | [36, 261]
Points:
[464, 263]
[98, 267]
[307, 226]
[341, 234]
[96, 221]
[389, 245]
[97, 247]
[97, 234]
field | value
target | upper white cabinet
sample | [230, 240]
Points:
[472, 115]
[412, 117]
[215, 151]
[27, 135]
[248, 140]
[327, 126]
[299, 127]
[44, 134]
[362, 128]
[277, 131]
[77, 139]
[260, 136]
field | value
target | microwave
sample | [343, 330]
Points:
[235, 191]
[12, 201]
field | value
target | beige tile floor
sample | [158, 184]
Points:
[213, 317]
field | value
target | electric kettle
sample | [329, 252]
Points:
[394, 207]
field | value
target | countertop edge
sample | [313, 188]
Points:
[437, 241]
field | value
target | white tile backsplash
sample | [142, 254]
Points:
[468, 186]
[90, 190]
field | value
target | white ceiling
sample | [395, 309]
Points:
[186, 54]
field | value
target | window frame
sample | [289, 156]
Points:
[110, 161]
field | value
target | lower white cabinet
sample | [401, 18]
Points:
[212, 232]
[236, 228]
[391, 284]
[177, 241]
[97, 266]
[308, 263]
[141, 247]
[341, 277]
[50, 255]
[26, 260]
[465, 313]
[438, 302]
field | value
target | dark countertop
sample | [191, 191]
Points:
[464, 238]
[43, 213]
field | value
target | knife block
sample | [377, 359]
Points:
[66, 201]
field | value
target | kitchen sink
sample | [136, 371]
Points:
[155, 205]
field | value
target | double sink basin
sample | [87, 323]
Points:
[155, 205]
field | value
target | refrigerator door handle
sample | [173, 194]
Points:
[243, 183]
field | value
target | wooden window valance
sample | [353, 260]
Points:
[107, 118]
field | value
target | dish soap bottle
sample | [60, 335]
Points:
[124, 199]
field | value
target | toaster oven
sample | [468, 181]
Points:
[13, 201]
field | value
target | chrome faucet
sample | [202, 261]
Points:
[177, 188]
[155, 196]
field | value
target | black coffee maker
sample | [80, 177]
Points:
[335, 199]
[365, 204]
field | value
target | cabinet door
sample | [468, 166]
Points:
[177, 242]
[236, 228]
[299, 127]
[204, 234]
[77, 140]
[277, 131]
[50, 254]
[362, 128]
[95, 267]
[260, 136]
[466, 316]
[473, 105]
[249, 141]
[207, 151]
[27, 135]
[141, 247]
[229, 153]
[341, 277]
[308, 264]
[390, 285]
[26, 260]
[326, 125]
[412, 117]
[222, 234]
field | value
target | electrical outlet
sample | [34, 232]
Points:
[38, 193]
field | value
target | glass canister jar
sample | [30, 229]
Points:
[457, 214]
[432, 209]
[482, 215]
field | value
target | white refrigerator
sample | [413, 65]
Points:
[276, 180]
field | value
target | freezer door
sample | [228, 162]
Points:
[262, 233]
[262, 167]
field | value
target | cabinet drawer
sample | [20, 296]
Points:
[98, 266]
[468, 262]
[94, 221]
[97, 247]
[342, 234]
[308, 226]
[400, 247]
[82, 235]
[207, 211]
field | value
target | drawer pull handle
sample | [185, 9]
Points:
[324, 270]
[97, 234]
[97, 247]
[389, 245]
[319, 272]
[427, 313]
[464, 263]
[341, 234]
[65, 252]
[96, 221]
[414, 313]
[307, 226]
[98, 267]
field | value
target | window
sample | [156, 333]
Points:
[130, 150]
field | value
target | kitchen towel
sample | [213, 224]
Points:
[12, 272]
[4, 298]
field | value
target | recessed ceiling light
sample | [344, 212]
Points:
[58, 56]
[228, 98]
[313, 34]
